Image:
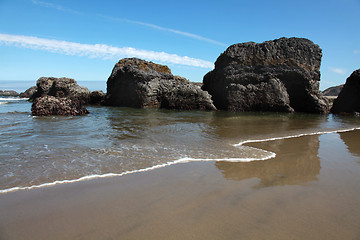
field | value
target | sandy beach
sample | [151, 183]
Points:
[310, 190]
[179, 120]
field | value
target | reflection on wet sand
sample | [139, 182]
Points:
[296, 162]
[352, 141]
[234, 125]
[196, 201]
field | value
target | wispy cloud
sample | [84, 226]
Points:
[54, 6]
[157, 27]
[356, 51]
[338, 70]
[149, 25]
[98, 50]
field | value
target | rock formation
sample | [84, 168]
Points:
[59, 96]
[61, 87]
[9, 93]
[29, 92]
[333, 91]
[348, 101]
[141, 84]
[50, 105]
[279, 75]
[97, 98]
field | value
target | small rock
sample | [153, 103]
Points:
[9, 93]
[59, 96]
[29, 92]
[97, 98]
[61, 87]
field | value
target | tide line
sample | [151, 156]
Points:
[182, 160]
[295, 136]
[107, 175]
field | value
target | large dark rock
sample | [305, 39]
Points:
[50, 105]
[278, 75]
[348, 101]
[9, 93]
[141, 84]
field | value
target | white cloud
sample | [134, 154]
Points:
[157, 27]
[98, 50]
[338, 70]
[356, 51]
[54, 6]
[186, 34]
[149, 25]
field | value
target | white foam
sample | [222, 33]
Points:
[12, 99]
[295, 136]
[96, 176]
[183, 160]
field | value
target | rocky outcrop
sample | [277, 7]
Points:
[61, 87]
[279, 75]
[29, 92]
[142, 84]
[59, 96]
[50, 105]
[9, 93]
[333, 91]
[348, 101]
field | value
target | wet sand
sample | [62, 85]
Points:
[311, 190]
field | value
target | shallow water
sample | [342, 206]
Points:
[42, 150]
[309, 190]
[266, 175]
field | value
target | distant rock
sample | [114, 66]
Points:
[9, 93]
[333, 91]
[280, 75]
[97, 98]
[50, 105]
[348, 101]
[29, 92]
[142, 84]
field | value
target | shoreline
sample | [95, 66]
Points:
[179, 161]
[303, 193]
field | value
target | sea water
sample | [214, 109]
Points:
[22, 86]
[112, 141]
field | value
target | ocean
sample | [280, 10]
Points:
[22, 86]
[218, 175]
[41, 151]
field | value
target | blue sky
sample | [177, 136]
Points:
[84, 39]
